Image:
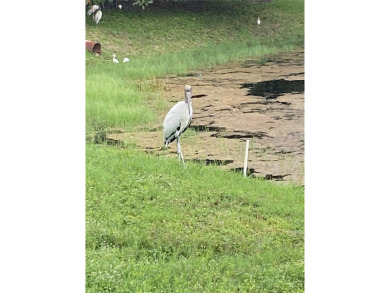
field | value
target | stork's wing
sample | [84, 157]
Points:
[98, 16]
[176, 122]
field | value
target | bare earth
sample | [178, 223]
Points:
[235, 102]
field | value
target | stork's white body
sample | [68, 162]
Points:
[178, 120]
[126, 59]
[120, 6]
[258, 21]
[114, 59]
[97, 16]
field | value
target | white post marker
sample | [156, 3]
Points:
[246, 157]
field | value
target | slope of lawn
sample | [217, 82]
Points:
[154, 226]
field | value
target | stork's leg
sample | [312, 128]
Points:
[179, 150]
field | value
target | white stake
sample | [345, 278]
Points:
[246, 157]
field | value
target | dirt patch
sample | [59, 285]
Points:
[241, 100]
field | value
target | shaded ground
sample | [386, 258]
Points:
[241, 100]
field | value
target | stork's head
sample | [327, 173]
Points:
[187, 92]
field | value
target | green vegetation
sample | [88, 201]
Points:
[152, 225]
[197, 25]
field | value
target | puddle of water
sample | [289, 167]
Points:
[198, 96]
[266, 102]
[207, 128]
[241, 135]
[276, 177]
[271, 89]
[212, 162]
[249, 172]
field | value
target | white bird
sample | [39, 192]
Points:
[178, 120]
[97, 16]
[93, 9]
[120, 6]
[126, 60]
[114, 59]
[258, 20]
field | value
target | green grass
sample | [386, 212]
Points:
[112, 102]
[167, 29]
[153, 226]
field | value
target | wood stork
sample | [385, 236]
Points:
[178, 120]
[258, 21]
[126, 59]
[120, 6]
[114, 59]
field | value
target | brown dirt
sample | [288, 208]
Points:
[241, 100]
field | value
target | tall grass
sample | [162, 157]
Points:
[113, 98]
[144, 67]
[111, 102]
[153, 226]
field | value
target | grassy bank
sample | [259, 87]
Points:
[197, 25]
[153, 226]
[173, 40]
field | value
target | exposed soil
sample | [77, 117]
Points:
[262, 102]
